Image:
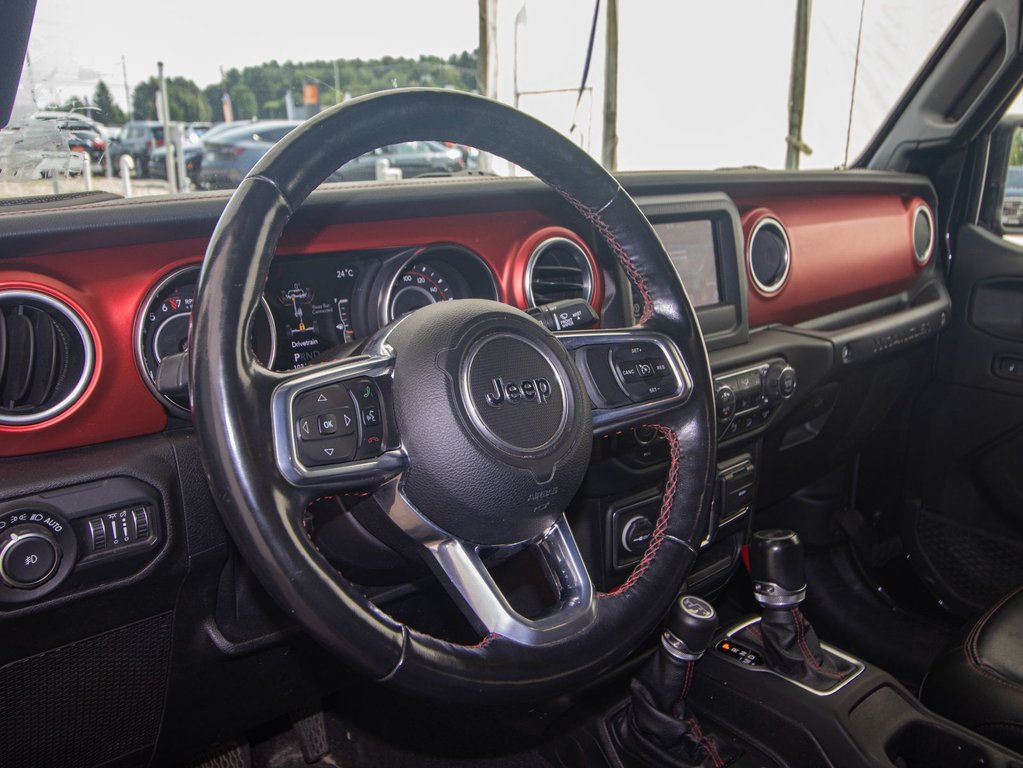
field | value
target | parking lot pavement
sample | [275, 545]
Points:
[139, 187]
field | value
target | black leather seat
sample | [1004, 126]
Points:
[979, 682]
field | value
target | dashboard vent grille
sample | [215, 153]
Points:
[46, 357]
[769, 256]
[923, 234]
[558, 269]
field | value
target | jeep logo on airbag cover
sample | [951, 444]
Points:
[514, 394]
[534, 390]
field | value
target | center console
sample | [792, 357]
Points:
[766, 691]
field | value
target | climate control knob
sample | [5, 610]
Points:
[29, 556]
[781, 382]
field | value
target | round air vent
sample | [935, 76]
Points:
[768, 256]
[558, 269]
[46, 357]
[923, 234]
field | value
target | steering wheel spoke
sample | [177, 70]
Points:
[460, 567]
[331, 423]
[630, 375]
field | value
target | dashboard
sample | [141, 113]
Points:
[813, 292]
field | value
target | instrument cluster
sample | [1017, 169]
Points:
[314, 304]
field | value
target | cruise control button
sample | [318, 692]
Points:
[332, 450]
[660, 366]
[629, 371]
[645, 369]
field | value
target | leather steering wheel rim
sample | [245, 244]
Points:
[230, 391]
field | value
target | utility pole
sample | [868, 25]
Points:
[795, 146]
[127, 93]
[487, 62]
[609, 151]
[172, 178]
[337, 84]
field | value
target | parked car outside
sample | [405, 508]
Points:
[195, 135]
[228, 156]
[137, 139]
[413, 158]
[1012, 203]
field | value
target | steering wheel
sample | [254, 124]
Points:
[472, 421]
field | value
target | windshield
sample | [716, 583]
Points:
[743, 83]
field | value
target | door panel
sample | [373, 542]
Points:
[964, 523]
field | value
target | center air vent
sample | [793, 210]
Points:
[558, 269]
[46, 357]
[768, 256]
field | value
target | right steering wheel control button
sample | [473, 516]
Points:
[642, 370]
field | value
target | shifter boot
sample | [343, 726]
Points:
[792, 648]
[656, 728]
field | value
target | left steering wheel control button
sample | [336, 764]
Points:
[28, 557]
[332, 450]
[321, 400]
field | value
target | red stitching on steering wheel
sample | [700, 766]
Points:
[619, 251]
[657, 537]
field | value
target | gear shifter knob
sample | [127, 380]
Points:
[776, 566]
[690, 628]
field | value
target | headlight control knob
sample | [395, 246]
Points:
[29, 556]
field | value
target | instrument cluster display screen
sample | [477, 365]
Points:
[690, 246]
[311, 303]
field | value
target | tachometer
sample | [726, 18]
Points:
[417, 286]
[162, 326]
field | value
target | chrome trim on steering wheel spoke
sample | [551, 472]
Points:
[460, 568]
[631, 413]
[356, 473]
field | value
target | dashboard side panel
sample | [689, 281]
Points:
[106, 287]
[846, 250]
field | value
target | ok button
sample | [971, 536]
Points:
[340, 422]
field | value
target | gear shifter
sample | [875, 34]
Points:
[655, 728]
[790, 644]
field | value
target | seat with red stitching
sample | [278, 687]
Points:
[978, 680]
[261, 509]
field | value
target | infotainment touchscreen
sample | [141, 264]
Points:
[690, 245]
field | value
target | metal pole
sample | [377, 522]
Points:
[127, 93]
[179, 157]
[797, 87]
[609, 151]
[487, 62]
[172, 178]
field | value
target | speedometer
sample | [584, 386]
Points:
[433, 273]
[419, 285]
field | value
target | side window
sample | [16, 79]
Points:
[1002, 204]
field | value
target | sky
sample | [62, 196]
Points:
[702, 83]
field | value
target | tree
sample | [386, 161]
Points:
[1016, 153]
[106, 110]
[184, 100]
[243, 102]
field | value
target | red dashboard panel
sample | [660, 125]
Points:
[845, 250]
[107, 287]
